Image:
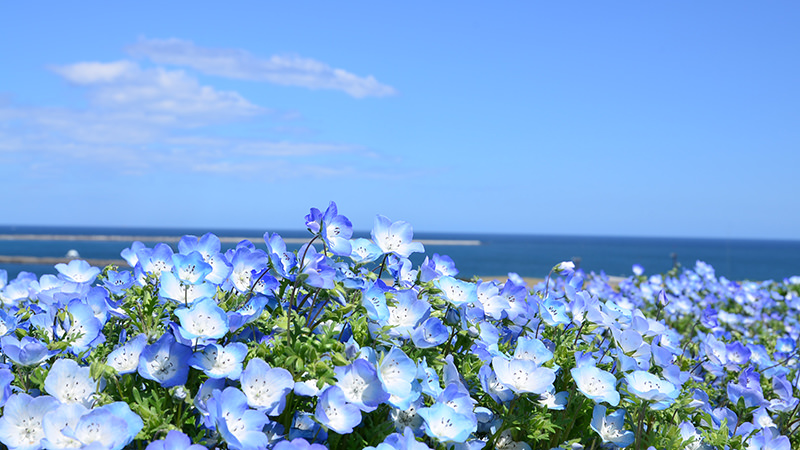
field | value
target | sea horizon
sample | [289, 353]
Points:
[474, 254]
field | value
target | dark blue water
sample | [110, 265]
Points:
[530, 256]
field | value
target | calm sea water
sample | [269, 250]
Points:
[497, 255]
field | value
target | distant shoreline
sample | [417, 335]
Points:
[223, 239]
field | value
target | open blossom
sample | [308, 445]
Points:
[596, 384]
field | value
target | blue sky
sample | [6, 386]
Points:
[595, 118]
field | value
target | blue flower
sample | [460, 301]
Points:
[297, 444]
[219, 361]
[175, 440]
[209, 247]
[334, 412]
[83, 327]
[59, 426]
[397, 372]
[360, 385]
[125, 359]
[204, 320]
[364, 251]
[373, 298]
[430, 333]
[437, 266]
[650, 387]
[266, 387]
[239, 426]
[610, 428]
[102, 428]
[28, 351]
[457, 292]
[165, 361]
[596, 384]
[21, 423]
[78, 271]
[523, 375]
[334, 229]
[444, 424]
[395, 237]
[70, 383]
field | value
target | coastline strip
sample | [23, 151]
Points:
[223, 239]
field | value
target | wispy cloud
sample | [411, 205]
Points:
[285, 70]
[156, 95]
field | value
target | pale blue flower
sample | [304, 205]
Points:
[444, 424]
[360, 385]
[240, 426]
[70, 383]
[125, 359]
[266, 387]
[78, 271]
[610, 427]
[661, 393]
[334, 412]
[175, 440]
[219, 361]
[165, 361]
[202, 321]
[395, 237]
[523, 375]
[596, 384]
[21, 422]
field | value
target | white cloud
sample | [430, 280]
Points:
[284, 70]
[156, 95]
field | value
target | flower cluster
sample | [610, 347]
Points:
[344, 344]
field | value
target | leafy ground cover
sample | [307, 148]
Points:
[344, 345]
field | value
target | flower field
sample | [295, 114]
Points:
[345, 345]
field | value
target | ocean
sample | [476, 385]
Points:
[491, 255]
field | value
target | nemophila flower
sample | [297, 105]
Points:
[59, 426]
[283, 261]
[6, 377]
[118, 281]
[499, 391]
[397, 441]
[360, 385]
[553, 312]
[175, 440]
[373, 298]
[769, 439]
[305, 425]
[27, 351]
[219, 361]
[247, 266]
[70, 383]
[247, 313]
[125, 359]
[100, 428]
[314, 268]
[266, 387]
[395, 237]
[364, 251]
[786, 401]
[553, 400]
[165, 361]
[21, 422]
[153, 261]
[457, 292]
[239, 426]
[532, 349]
[202, 321]
[444, 424]
[748, 388]
[407, 313]
[334, 229]
[297, 444]
[737, 354]
[437, 266]
[82, 327]
[209, 247]
[398, 375]
[190, 268]
[596, 384]
[430, 333]
[523, 375]
[652, 388]
[610, 427]
[334, 412]
[78, 271]
[8, 322]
